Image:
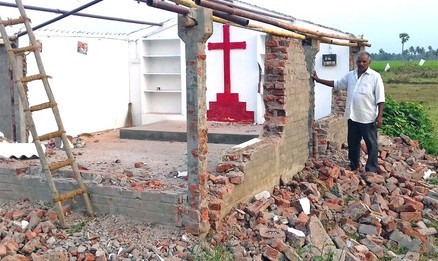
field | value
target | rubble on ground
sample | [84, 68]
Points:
[325, 212]
[355, 215]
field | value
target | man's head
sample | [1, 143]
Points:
[363, 61]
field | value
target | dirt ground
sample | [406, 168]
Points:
[247, 235]
[109, 159]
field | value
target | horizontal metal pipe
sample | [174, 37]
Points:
[166, 6]
[218, 16]
[267, 13]
[58, 11]
[273, 31]
[306, 32]
[61, 16]
[257, 28]
[232, 18]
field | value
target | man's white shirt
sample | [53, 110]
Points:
[363, 95]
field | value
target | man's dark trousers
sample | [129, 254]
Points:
[357, 131]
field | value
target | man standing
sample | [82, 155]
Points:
[363, 110]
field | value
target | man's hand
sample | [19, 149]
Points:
[379, 121]
[314, 76]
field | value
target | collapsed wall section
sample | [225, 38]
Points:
[283, 147]
[163, 207]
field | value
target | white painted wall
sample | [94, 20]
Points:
[92, 91]
[244, 68]
[323, 94]
[134, 80]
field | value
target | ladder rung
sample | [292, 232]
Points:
[58, 165]
[42, 106]
[48, 136]
[70, 195]
[29, 48]
[14, 21]
[33, 77]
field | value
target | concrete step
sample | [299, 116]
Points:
[223, 133]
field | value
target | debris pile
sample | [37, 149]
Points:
[31, 229]
[325, 212]
[353, 215]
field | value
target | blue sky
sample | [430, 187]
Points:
[380, 22]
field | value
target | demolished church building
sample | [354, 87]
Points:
[196, 68]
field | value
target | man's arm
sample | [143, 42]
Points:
[322, 81]
[379, 119]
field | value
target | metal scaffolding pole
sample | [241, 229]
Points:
[59, 11]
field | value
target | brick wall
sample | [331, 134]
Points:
[151, 206]
[283, 147]
[331, 133]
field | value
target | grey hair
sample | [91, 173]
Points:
[364, 53]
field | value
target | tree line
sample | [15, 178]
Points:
[410, 53]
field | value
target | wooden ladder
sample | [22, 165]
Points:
[22, 82]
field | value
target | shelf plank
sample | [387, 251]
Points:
[161, 73]
[162, 56]
[163, 91]
[163, 113]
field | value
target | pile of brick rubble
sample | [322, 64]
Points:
[353, 215]
[324, 213]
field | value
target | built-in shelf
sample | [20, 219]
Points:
[161, 73]
[158, 91]
[161, 56]
[162, 79]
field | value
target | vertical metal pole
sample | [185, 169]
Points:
[194, 29]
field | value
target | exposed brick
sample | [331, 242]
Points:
[2, 250]
[221, 180]
[257, 206]
[20, 171]
[281, 202]
[215, 204]
[224, 167]
[411, 216]
[302, 219]
[272, 254]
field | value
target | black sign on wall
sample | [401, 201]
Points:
[329, 59]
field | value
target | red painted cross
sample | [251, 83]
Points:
[227, 46]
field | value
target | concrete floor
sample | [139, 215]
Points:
[113, 166]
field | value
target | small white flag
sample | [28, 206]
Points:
[421, 62]
[387, 67]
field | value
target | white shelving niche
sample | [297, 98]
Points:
[163, 82]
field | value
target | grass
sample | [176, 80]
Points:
[424, 94]
[433, 181]
[202, 252]
[380, 65]
[408, 82]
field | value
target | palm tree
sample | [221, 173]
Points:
[412, 50]
[404, 38]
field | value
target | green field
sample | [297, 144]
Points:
[380, 65]
[425, 94]
[406, 81]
